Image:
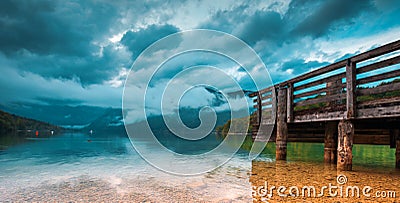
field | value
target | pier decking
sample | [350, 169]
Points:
[352, 101]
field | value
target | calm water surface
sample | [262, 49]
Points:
[80, 167]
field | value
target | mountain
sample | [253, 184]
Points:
[110, 120]
[61, 115]
[12, 123]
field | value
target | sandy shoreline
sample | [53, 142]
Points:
[211, 187]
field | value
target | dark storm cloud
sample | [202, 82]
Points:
[57, 39]
[262, 25]
[137, 41]
[87, 70]
[320, 21]
[61, 49]
[53, 27]
[278, 34]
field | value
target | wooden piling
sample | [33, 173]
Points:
[345, 145]
[398, 154]
[281, 125]
[397, 136]
[330, 149]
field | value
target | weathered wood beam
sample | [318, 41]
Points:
[259, 109]
[310, 93]
[345, 145]
[262, 103]
[330, 140]
[290, 101]
[317, 116]
[380, 89]
[321, 81]
[281, 126]
[379, 77]
[394, 133]
[323, 99]
[379, 112]
[351, 89]
[378, 102]
[394, 46]
[320, 71]
[379, 65]
[268, 89]
[398, 151]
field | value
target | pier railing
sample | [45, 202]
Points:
[363, 86]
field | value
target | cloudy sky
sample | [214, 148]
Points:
[80, 52]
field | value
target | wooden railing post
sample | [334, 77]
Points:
[351, 89]
[290, 109]
[259, 109]
[281, 125]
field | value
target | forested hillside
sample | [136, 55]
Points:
[10, 123]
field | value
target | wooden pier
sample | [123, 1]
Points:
[352, 101]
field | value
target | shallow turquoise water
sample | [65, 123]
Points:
[32, 162]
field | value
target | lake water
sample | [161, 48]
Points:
[80, 167]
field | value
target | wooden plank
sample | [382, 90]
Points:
[253, 94]
[378, 65]
[268, 89]
[391, 47]
[315, 117]
[377, 102]
[317, 91]
[290, 106]
[351, 89]
[379, 112]
[394, 46]
[358, 139]
[263, 98]
[310, 93]
[266, 103]
[262, 104]
[380, 89]
[383, 76]
[371, 139]
[320, 100]
[320, 81]
[266, 97]
[319, 71]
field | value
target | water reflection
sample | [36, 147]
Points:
[311, 181]
[297, 178]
